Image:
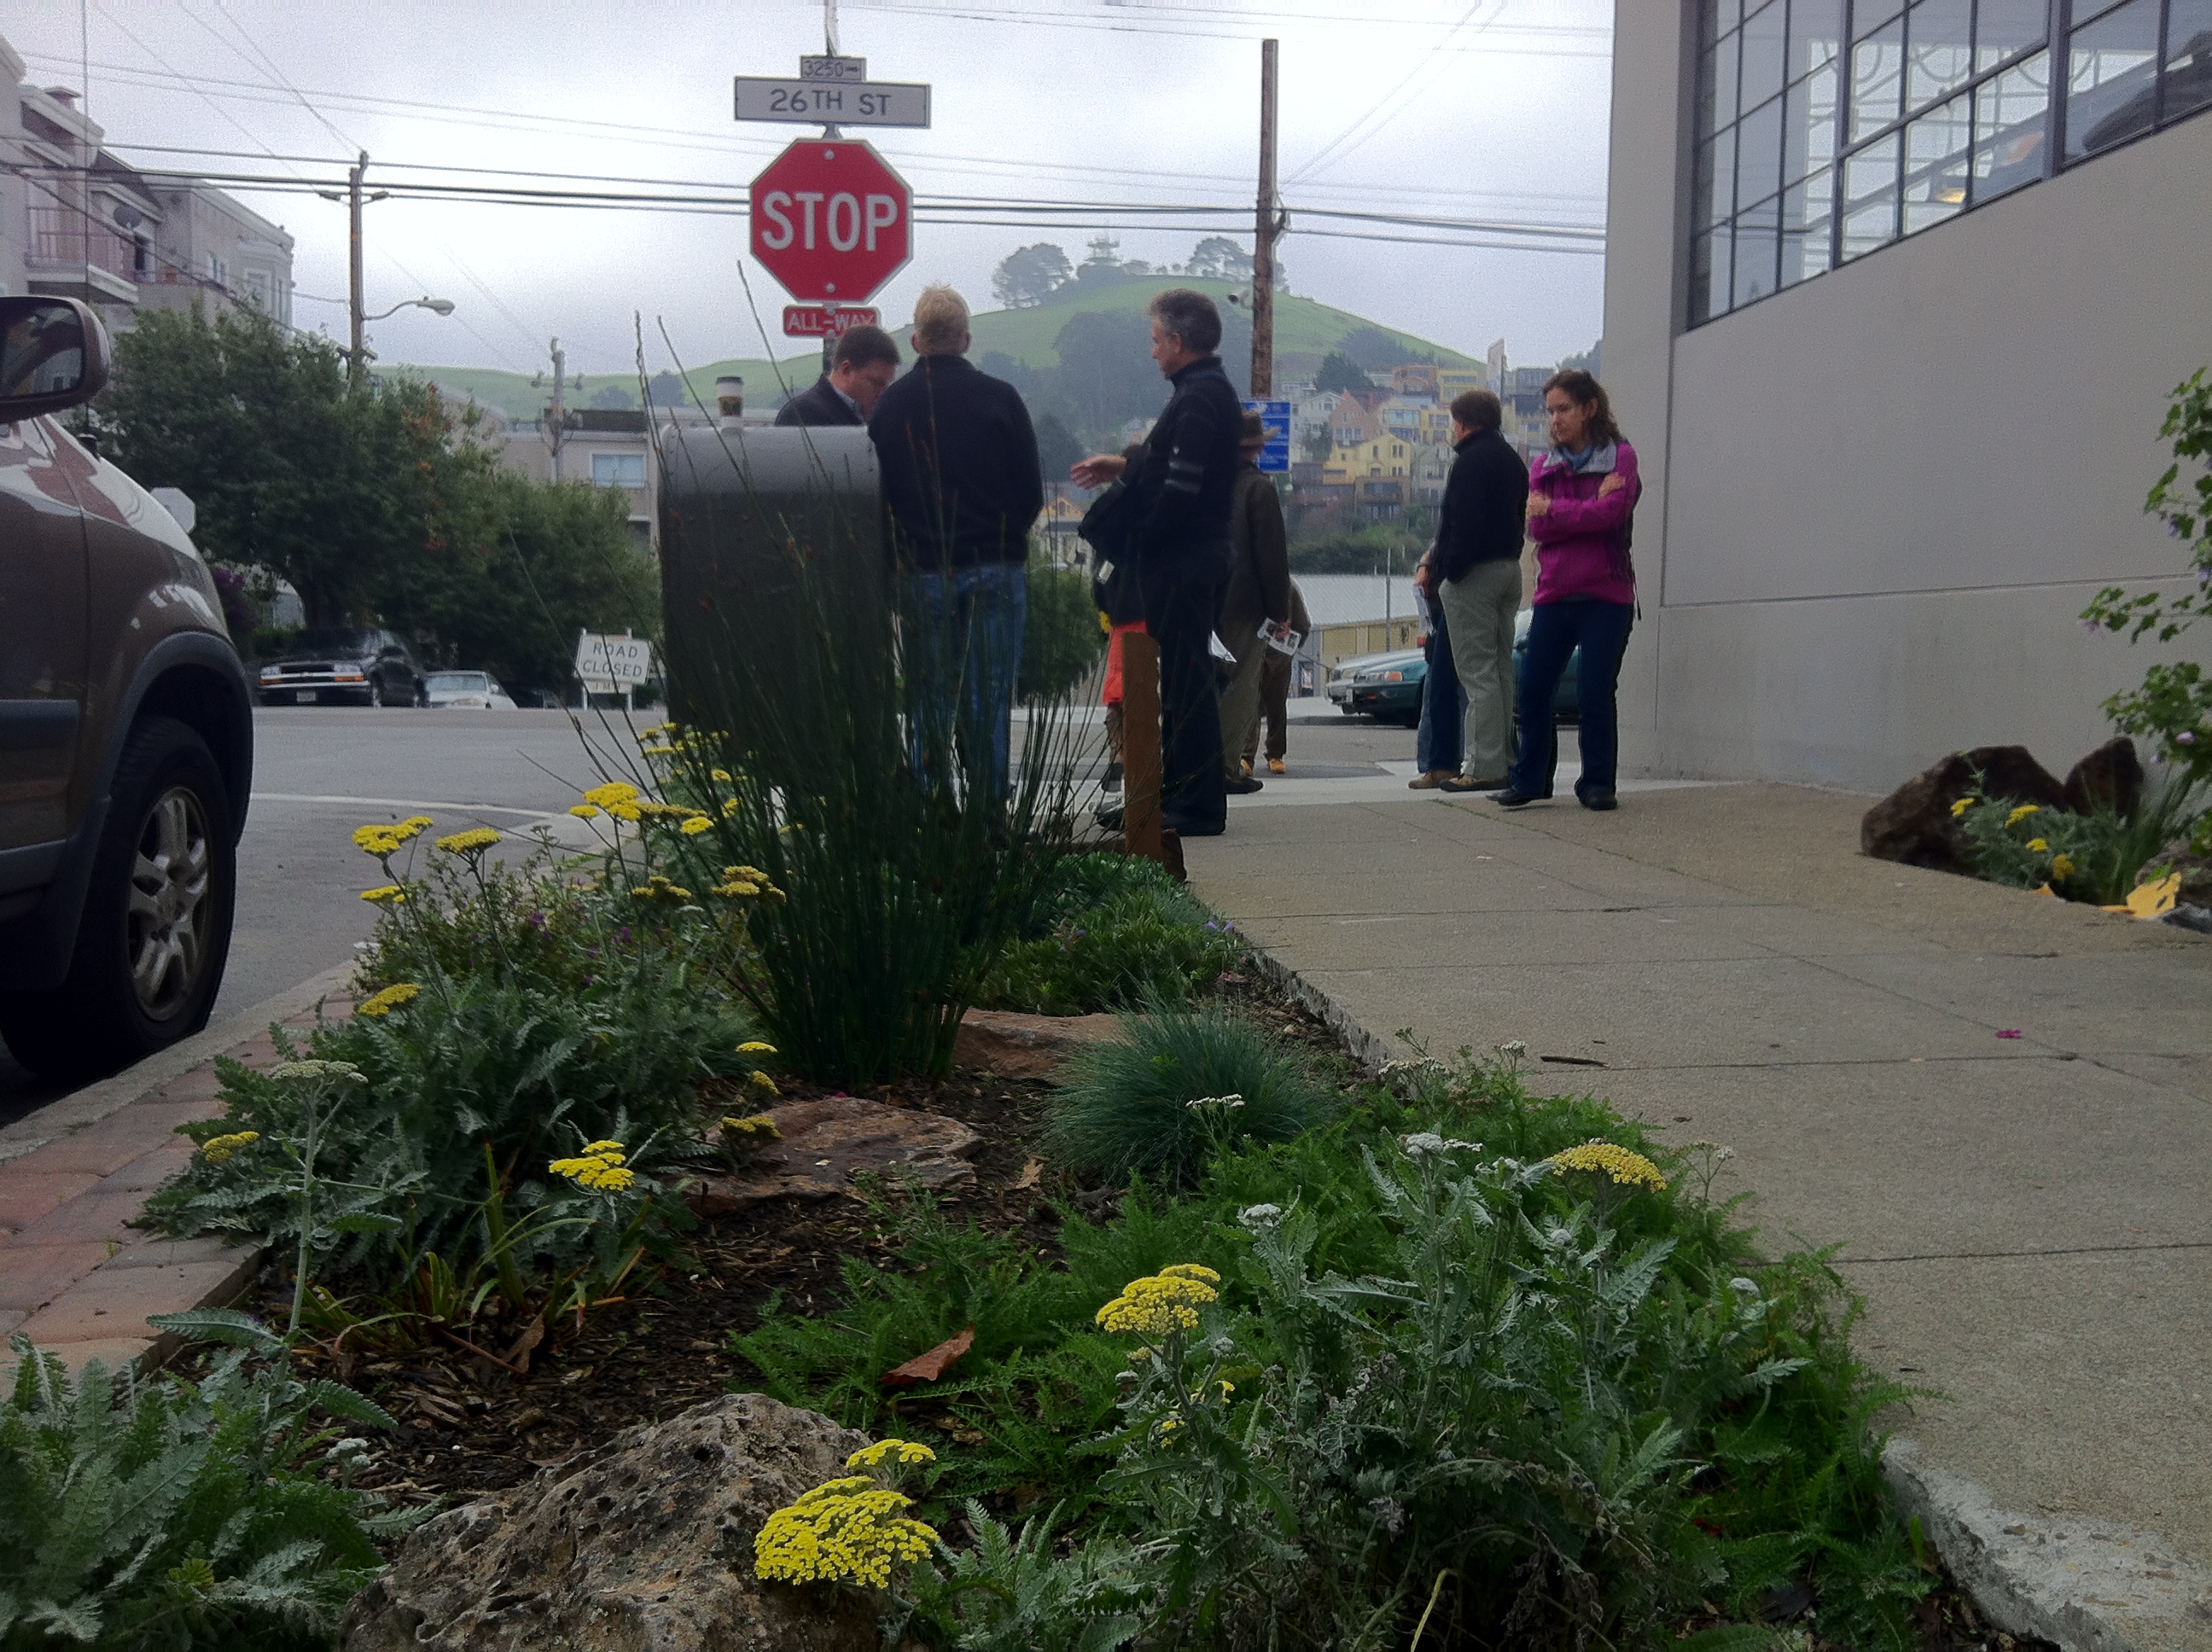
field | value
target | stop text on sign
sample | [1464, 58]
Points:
[844, 220]
[830, 221]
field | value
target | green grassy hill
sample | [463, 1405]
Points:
[1302, 327]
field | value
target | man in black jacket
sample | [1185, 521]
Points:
[958, 462]
[1184, 491]
[860, 369]
[1474, 571]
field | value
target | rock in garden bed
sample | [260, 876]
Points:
[824, 1144]
[645, 1543]
[1914, 823]
[1017, 1046]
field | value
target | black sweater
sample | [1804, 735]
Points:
[1187, 486]
[1486, 506]
[958, 461]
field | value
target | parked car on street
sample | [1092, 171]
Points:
[126, 730]
[343, 666]
[1389, 685]
[466, 691]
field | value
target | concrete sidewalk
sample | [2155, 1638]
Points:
[1998, 1106]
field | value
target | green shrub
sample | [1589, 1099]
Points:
[1062, 640]
[158, 1513]
[1185, 1084]
[1112, 932]
[550, 1011]
[2097, 857]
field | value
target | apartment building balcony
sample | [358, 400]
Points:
[71, 255]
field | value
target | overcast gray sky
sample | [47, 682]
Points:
[1488, 110]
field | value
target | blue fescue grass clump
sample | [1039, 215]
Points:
[1183, 1084]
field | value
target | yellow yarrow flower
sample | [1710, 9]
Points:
[1159, 1303]
[658, 888]
[598, 1168]
[217, 1150]
[755, 1125]
[2061, 866]
[729, 808]
[1607, 1158]
[904, 1451]
[384, 838]
[722, 775]
[1962, 805]
[850, 1530]
[468, 842]
[614, 792]
[658, 751]
[1197, 1271]
[2022, 813]
[388, 892]
[2040, 845]
[378, 1004]
[754, 1046]
[585, 811]
[696, 825]
[763, 1083]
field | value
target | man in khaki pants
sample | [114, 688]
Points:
[1474, 571]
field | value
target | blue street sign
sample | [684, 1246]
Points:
[1275, 419]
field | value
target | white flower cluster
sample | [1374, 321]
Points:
[1223, 1102]
[1261, 1216]
[1427, 1141]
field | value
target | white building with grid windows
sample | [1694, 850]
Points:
[1895, 295]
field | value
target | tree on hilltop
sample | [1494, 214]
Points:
[1340, 372]
[1220, 258]
[1031, 275]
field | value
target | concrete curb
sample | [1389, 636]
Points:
[2088, 1585]
[98, 1100]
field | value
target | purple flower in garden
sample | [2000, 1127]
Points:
[2187, 737]
[2088, 624]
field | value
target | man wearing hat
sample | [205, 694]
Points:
[1258, 593]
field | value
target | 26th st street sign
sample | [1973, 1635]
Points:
[830, 221]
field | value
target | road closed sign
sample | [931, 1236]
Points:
[830, 221]
[611, 665]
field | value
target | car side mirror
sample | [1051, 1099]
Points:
[53, 355]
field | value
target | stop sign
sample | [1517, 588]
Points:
[830, 221]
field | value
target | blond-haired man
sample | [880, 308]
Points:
[958, 461]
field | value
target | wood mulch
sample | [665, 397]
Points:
[468, 1429]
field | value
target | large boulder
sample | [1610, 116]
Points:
[1017, 1046]
[2112, 776]
[642, 1546]
[1914, 823]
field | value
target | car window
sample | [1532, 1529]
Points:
[459, 682]
[335, 641]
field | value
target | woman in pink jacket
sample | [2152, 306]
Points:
[1582, 496]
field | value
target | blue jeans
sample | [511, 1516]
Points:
[1443, 701]
[964, 652]
[1555, 631]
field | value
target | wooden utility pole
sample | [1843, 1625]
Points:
[557, 416]
[359, 358]
[1265, 229]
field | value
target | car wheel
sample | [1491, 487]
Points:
[155, 934]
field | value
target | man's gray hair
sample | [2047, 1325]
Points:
[1190, 316]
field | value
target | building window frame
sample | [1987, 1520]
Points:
[1729, 245]
[618, 470]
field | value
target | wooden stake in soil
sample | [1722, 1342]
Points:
[1140, 747]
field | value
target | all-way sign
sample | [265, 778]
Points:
[827, 320]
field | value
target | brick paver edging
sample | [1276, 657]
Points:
[76, 1276]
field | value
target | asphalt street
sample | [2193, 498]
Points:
[319, 772]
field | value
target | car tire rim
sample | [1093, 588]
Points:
[172, 871]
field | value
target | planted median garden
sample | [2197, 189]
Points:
[649, 1218]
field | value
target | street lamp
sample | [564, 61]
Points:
[357, 357]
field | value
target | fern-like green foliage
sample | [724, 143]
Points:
[154, 1513]
[1139, 1106]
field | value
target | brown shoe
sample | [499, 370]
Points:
[1432, 780]
[1468, 783]
[1277, 766]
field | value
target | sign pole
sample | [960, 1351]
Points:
[1140, 747]
[1264, 233]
